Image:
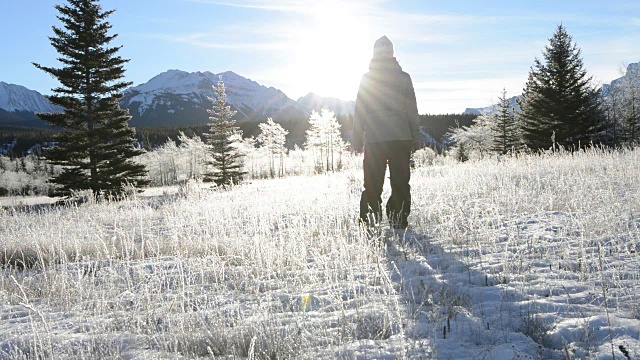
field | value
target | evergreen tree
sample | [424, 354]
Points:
[96, 146]
[460, 152]
[224, 138]
[504, 126]
[558, 99]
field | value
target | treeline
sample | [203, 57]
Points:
[439, 125]
[154, 137]
[25, 138]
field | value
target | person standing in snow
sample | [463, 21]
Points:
[386, 123]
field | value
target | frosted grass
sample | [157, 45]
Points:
[523, 257]
[268, 269]
[557, 234]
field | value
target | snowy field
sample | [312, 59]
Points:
[18, 201]
[527, 258]
[36, 201]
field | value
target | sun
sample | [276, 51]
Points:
[331, 51]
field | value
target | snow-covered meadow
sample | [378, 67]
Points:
[534, 257]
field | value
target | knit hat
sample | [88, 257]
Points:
[383, 47]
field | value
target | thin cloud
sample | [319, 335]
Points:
[147, 19]
[374, 13]
[446, 19]
[427, 37]
[262, 36]
[208, 41]
[291, 6]
[281, 6]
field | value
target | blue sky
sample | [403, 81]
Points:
[459, 53]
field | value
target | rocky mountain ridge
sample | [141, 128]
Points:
[175, 98]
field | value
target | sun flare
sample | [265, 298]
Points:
[331, 51]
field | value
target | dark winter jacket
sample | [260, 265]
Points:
[386, 107]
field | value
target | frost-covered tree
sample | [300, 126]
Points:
[27, 176]
[476, 140]
[504, 126]
[248, 148]
[171, 163]
[559, 100]
[96, 147]
[195, 151]
[613, 106]
[169, 157]
[323, 137]
[224, 139]
[631, 105]
[272, 138]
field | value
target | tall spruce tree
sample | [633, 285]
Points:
[559, 100]
[224, 138]
[96, 145]
[504, 126]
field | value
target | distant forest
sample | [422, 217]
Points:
[436, 125]
[151, 137]
[26, 137]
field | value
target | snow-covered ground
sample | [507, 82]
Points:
[13, 201]
[522, 258]
[22, 201]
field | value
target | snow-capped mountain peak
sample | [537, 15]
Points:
[176, 97]
[489, 110]
[172, 80]
[16, 98]
[631, 76]
[316, 102]
[176, 91]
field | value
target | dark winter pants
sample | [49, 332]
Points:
[396, 154]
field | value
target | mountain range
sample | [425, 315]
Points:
[175, 98]
[18, 106]
[493, 108]
[632, 76]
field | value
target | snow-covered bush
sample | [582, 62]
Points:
[424, 157]
[24, 176]
[475, 141]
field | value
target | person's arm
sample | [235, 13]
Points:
[357, 135]
[411, 109]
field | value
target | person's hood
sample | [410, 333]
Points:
[383, 64]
